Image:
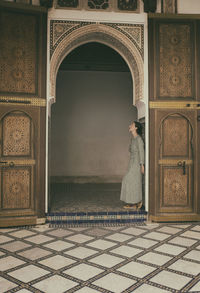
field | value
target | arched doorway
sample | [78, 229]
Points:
[126, 40]
[89, 130]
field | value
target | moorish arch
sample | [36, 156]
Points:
[126, 39]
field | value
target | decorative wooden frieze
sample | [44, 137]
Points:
[176, 61]
[60, 29]
[98, 4]
[130, 5]
[68, 3]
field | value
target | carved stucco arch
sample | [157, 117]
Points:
[106, 35]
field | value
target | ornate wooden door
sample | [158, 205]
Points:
[22, 114]
[174, 128]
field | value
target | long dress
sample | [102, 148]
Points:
[131, 189]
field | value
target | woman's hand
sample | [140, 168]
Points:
[142, 169]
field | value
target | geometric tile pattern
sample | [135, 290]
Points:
[154, 258]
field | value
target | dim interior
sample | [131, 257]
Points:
[89, 136]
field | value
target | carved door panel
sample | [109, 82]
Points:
[176, 164]
[173, 178]
[18, 161]
[22, 113]
[174, 131]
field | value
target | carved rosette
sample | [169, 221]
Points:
[126, 39]
[18, 56]
[17, 135]
[175, 60]
[16, 188]
[175, 187]
[175, 137]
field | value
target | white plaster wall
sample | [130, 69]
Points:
[90, 122]
[188, 6]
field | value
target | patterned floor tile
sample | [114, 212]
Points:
[101, 244]
[182, 241]
[133, 231]
[196, 228]
[193, 254]
[97, 232]
[169, 230]
[22, 233]
[106, 260]
[144, 243]
[38, 239]
[127, 251]
[157, 236]
[119, 237]
[154, 258]
[170, 249]
[191, 234]
[28, 273]
[57, 262]
[81, 252]
[79, 238]
[83, 272]
[186, 267]
[60, 233]
[161, 257]
[4, 239]
[15, 246]
[9, 262]
[34, 253]
[114, 283]
[59, 245]
[137, 269]
[171, 280]
[6, 285]
[54, 284]
[149, 289]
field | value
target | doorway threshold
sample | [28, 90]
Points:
[96, 218]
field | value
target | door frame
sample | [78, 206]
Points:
[113, 35]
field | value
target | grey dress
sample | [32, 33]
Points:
[131, 190]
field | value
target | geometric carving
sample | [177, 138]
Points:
[175, 137]
[126, 39]
[16, 191]
[16, 130]
[175, 49]
[60, 29]
[67, 3]
[174, 187]
[98, 4]
[169, 6]
[18, 56]
[127, 5]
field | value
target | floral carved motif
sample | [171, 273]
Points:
[18, 54]
[17, 135]
[175, 60]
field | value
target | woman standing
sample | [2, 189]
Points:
[131, 190]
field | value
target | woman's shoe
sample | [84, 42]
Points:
[139, 206]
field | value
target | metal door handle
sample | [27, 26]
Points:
[182, 164]
[11, 164]
[183, 167]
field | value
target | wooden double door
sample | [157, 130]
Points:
[174, 111]
[22, 113]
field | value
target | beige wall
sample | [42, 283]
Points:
[90, 121]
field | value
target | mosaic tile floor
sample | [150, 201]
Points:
[154, 258]
[85, 197]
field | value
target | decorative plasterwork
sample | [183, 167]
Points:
[126, 39]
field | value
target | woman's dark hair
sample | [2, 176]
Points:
[138, 125]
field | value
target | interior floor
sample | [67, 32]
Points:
[88, 197]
